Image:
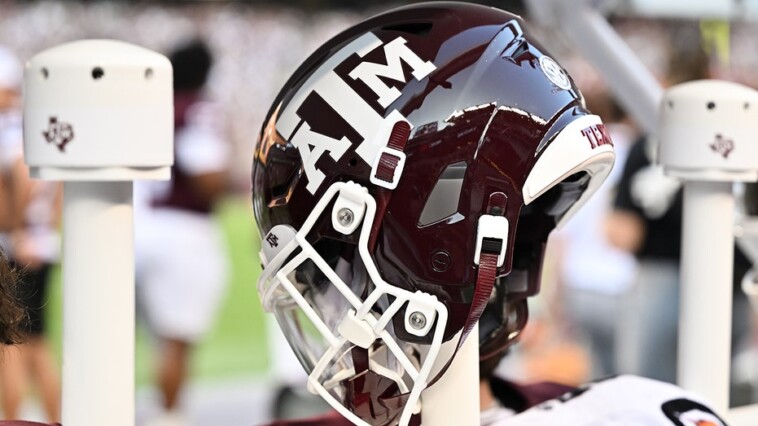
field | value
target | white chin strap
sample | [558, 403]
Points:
[362, 325]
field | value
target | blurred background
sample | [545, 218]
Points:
[235, 372]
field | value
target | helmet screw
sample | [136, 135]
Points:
[345, 216]
[417, 320]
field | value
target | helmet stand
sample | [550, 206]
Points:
[98, 115]
[707, 138]
[454, 399]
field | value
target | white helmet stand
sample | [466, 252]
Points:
[708, 133]
[454, 399]
[98, 114]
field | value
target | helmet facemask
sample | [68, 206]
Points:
[336, 311]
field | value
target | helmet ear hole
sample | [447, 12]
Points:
[445, 196]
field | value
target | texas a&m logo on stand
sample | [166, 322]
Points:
[58, 133]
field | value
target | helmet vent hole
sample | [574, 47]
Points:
[415, 28]
[45, 73]
[747, 105]
[353, 162]
[443, 200]
[711, 105]
[148, 74]
[97, 73]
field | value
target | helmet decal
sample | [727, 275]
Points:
[555, 73]
[394, 51]
[357, 112]
[597, 135]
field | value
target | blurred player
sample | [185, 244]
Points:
[181, 258]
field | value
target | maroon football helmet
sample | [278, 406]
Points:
[406, 178]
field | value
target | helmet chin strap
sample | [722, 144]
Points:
[492, 240]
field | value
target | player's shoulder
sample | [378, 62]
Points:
[627, 400]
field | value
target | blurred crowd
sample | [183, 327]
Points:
[612, 280]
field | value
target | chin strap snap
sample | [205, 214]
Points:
[491, 243]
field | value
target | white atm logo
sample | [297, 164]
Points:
[372, 126]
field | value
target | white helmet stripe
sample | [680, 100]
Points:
[583, 145]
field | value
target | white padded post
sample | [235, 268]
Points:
[454, 399]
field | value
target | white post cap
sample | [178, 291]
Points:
[708, 130]
[98, 110]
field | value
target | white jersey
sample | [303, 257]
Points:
[618, 401]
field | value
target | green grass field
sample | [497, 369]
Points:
[236, 346]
